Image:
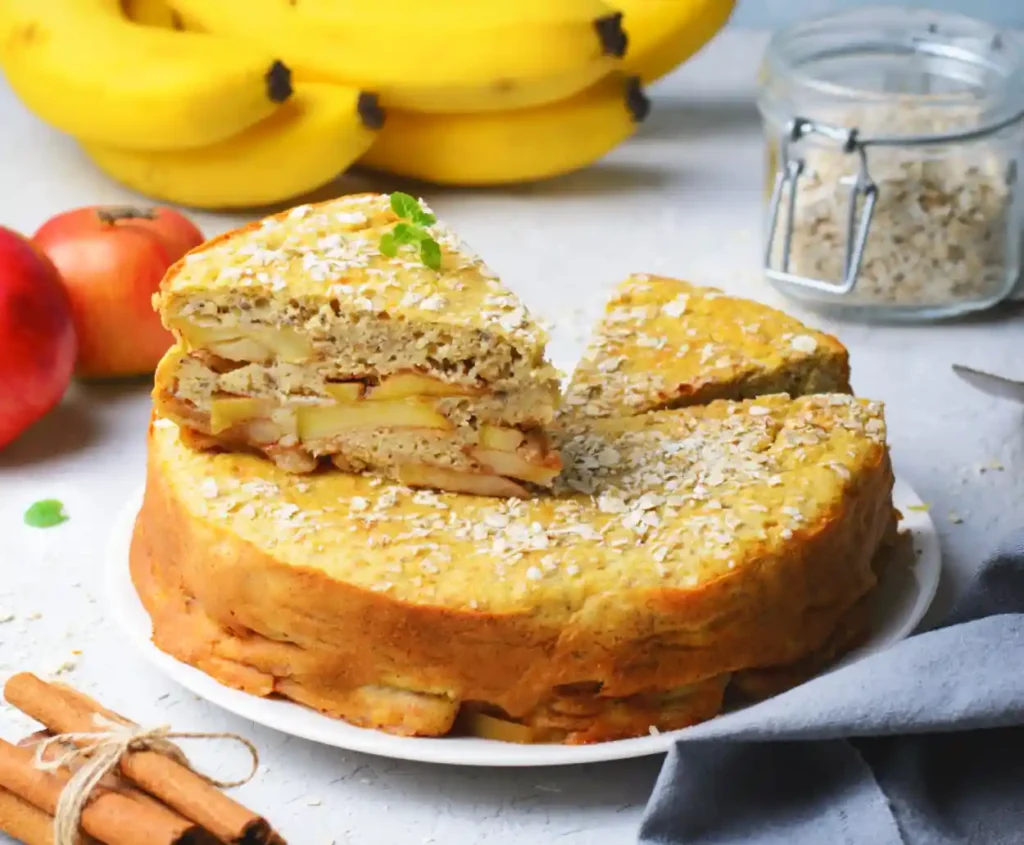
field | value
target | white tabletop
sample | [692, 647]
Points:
[683, 198]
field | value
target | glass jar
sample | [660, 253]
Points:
[894, 141]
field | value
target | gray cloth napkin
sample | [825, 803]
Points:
[922, 744]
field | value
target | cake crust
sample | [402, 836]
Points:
[629, 605]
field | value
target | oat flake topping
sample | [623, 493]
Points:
[331, 250]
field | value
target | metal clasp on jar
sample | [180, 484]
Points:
[862, 189]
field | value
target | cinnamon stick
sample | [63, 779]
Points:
[112, 781]
[23, 821]
[109, 817]
[81, 698]
[177, 786]
[27, 823]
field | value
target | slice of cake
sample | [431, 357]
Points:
[364, 331]
[678, 551]
[664, 343]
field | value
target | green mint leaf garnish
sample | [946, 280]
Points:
[45, 514]
[388, 246]
[430, 254]
[406, 233]
[405, 206]
[412, 232]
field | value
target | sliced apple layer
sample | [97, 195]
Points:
[476, 484]
[515, 466]
[254, 345]
[321, 422]
[411, 427]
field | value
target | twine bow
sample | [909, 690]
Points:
[102, 753]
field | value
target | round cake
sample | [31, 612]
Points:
[682, 554]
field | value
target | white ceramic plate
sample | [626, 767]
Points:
[902, 600]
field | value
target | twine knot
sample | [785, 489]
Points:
[101, 752]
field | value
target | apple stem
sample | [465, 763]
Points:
[124, 212]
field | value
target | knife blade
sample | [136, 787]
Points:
[993, 385]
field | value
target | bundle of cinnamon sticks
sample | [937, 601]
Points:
[149, 799]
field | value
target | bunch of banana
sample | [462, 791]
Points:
[87, 70]
[234, 103]
[493, 148]
[308, 142]
[189, 117]
[437, 56]
[487, 148]
[665, 33]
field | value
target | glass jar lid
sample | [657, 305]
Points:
[926, 60]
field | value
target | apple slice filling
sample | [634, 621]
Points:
[493, 461]
[476, 484]
[321, 422]
[514, 465]
[258, 344]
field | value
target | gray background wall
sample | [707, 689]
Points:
[774, 13]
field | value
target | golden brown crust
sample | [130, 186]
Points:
[850, 631]
[246, 660]
[270, 625]
[664, 343]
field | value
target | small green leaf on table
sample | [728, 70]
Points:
[45, 513]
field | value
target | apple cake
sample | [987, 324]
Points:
[664, 343]
[678, 551]
[364, 331]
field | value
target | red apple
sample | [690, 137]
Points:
[112, 261]
[37, 336]
[178, 233]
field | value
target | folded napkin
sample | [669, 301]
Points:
[922, 744]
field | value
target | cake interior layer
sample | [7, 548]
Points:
[200, 377]
[341, 345]
[410, 427]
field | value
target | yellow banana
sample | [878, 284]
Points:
[492, 149]
[151, 13]
[87, 70]
[665, 33]
[309, 141]
[189, 23]
[431, 55]
[158, 13]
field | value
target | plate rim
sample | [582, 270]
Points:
[280, 714]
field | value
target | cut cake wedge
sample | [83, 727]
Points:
[664, 343]
[326, 331]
